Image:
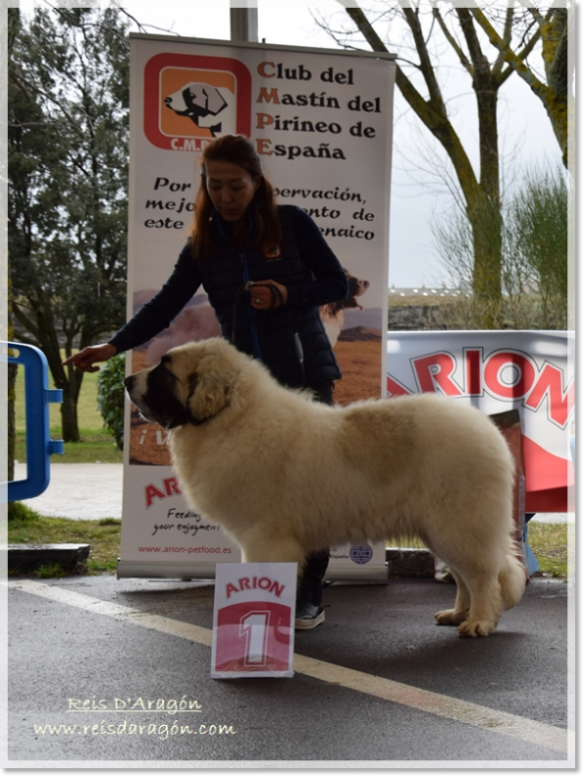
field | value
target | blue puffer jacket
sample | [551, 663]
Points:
[305, 265]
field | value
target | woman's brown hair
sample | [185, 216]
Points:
[239, 150]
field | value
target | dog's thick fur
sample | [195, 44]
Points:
[284, 475]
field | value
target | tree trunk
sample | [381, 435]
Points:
[485, 213]
[485, 220]
[484, 209]
[69, 425]
[70, 382]
[45, 332]
[12, 370]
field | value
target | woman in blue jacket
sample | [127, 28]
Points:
[266, 270]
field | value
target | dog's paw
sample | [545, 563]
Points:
[473, 628]
[450, 617]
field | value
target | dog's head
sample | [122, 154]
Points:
[356, 287]
[191, 384]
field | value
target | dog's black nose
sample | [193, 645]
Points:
[128, 382]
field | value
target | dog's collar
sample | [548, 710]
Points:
[192, 420]
[188, 419]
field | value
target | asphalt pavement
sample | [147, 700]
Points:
[116, 673]
[107, 673]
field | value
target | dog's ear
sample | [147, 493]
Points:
[209, 394]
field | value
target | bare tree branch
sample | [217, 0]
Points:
[452, 41]
[553, 34]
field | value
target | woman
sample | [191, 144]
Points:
[266, 270]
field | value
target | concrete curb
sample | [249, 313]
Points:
[27, 558]
[406, 563]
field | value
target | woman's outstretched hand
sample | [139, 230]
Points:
[84, 360]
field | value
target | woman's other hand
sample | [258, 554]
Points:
[264, 298]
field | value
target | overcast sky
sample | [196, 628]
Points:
[525, 132]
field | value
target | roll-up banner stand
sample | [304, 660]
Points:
[321, 122]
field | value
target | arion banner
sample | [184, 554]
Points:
[321, 121]
[531, 371]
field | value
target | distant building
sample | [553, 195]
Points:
[423, 291]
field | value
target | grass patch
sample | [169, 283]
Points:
[549, 544]
[406, 543]
[51, 571]
[87, 405]
[19, 513]
[96, 446]
[103, 535]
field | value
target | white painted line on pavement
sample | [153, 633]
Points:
[489, 719]
[434, 703]
[106, 608]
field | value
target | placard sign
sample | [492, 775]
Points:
[254, 618]
[321, 122]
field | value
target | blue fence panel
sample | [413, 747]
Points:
[39, 446]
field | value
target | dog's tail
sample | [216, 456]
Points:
[512, 580]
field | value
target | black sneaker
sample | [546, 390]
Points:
[309, 616]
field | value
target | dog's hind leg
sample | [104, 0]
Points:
[491, 592]
[485, 604]
[459, 613]
[478, 603]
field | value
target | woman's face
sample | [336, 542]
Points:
[231, 189]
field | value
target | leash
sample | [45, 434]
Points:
[277, 298]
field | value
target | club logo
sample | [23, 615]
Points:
[361, 554]
[189, 99]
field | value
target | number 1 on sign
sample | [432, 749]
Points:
[254, 628]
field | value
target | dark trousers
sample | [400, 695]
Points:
[316, 563]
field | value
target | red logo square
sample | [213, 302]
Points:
[190, 99]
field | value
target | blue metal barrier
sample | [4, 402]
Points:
[39, 446]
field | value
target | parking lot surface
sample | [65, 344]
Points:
[106, 672]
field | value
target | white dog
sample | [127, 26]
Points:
[285, 475]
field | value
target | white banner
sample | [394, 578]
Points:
[498, 371]
[321, 122]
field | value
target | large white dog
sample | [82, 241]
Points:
[284, 475]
